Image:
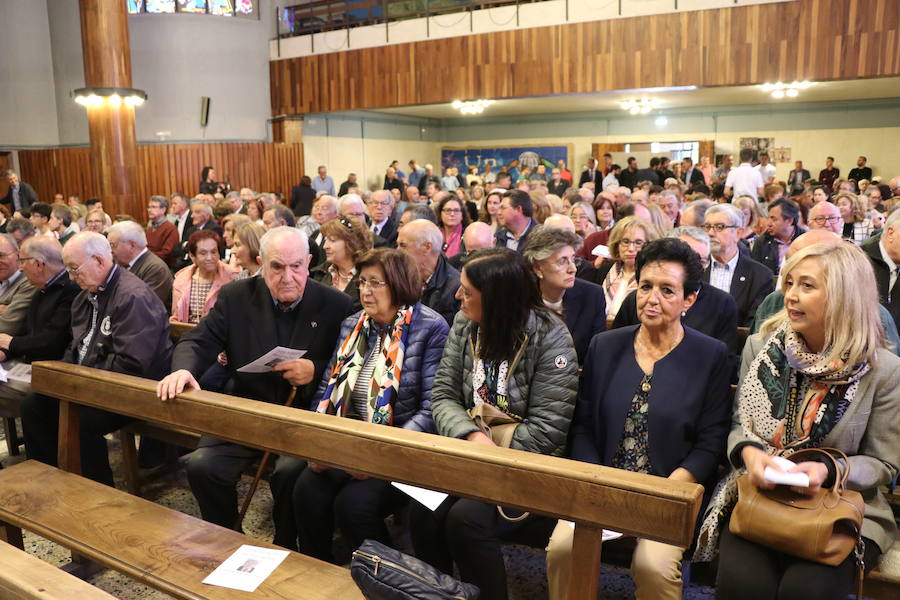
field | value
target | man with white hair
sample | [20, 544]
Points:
[884, 254]
[47, 331]
[282, 307]
[352, 205]
[384, 223]
[119, 325]
[128, 243]
[15, 290]
[477, 235]
[422, 240]
[827, 216]
[733, 271]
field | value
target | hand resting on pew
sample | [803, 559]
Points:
[174, 383]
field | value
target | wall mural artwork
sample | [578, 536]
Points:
[514, 158]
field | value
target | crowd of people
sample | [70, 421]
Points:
[595, 321]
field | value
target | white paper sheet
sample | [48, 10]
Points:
[795, 479]
[607, 535]
[246, 568]
[275, 356]
[429, 498]
[17, 374]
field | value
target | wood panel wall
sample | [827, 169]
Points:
[807, 39]
[166, 168]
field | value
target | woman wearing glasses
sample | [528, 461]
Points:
[347, 239]
[453, 218]
[381, 372]
[618, 274]
[550, 252]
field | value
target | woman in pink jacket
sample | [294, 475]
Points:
[197, 286]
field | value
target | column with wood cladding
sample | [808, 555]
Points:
[107, 63]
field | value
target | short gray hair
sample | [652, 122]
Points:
[348, 199]
[588, 212]
[695, 233]
[278, 232]
[420, 211]
[204, 207]
[544, 241]
[11, 240]
[735, 215]
[162, 201]
[93, 244]
[130, 231]
[425, 231]
[46, 248]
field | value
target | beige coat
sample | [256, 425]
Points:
[868, 433]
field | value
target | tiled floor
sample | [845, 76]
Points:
[525, 566]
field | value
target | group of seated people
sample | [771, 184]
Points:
[424, 315]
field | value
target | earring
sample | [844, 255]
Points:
[540, 276]
[684, 313]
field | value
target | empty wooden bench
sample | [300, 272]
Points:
[591, 496]
[25, 577]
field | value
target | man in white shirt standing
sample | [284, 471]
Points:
[744, 180]
[765, 168]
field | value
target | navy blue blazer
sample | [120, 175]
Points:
[584, 309]
[690, 403]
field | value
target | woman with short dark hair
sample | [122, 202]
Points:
[654, 399]
[347, 239]
[382, 371]
[508, 353]
[196, 287]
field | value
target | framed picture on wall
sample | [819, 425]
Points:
[513, 158]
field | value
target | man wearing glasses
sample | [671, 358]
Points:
[827, 216]
[119, 325]
[15, 290]
[282, 307]
[384, 223]
[731, 270]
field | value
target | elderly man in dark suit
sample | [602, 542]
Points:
[730, 270]
[129, 247]
[119, 325]
[250, 318]
[47, 323]
[20, 194]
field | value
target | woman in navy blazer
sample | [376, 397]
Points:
[550, 252]
[654, 398]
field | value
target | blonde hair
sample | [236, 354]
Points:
[627, 224]
[659, 220]
[743, 202]
[856, 205]
[853, 329]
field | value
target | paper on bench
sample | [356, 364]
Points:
[246, 568]
[796, 479]
[275, 356]
[15, 371]
[430, 498]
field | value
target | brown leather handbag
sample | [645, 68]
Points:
[823, 528]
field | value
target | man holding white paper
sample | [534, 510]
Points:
[250, 318]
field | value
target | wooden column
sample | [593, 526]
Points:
[107, 63]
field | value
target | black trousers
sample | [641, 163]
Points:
[470, 534]
[358, 506]
[214, 469]
[40, 427]
[753, 572]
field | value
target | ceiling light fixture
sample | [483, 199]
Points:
[471, 107]
[640, 106]
[781, 90]
[90, 97]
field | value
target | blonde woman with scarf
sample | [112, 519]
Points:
[817, 375]
[381, 372]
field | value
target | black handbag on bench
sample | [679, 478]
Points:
[382, 573]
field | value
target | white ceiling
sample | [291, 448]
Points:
[830, 91]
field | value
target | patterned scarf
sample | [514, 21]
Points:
[790, 399]
[385, 378]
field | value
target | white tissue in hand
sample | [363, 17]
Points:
[795, 479]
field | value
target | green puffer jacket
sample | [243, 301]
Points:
[541, 388]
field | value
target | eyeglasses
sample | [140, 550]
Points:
[718, 227]
[347, 222]
[5, 254]
[382, 204]
[563, 262]
[74, 270]
[823, 220]
[451, 211]
[636, 243]
[23, 259]
[372, 284]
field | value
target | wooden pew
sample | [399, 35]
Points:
[592, 496]
[25, 577]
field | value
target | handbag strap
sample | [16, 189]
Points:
[833, 454]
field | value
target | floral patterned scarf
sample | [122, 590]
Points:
[385, 378]
[790, 399]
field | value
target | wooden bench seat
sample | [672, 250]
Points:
[163, 548]
[25, 577]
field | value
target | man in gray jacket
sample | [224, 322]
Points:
[15, 290]
[128, 242]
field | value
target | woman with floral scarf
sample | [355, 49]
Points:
[817, 375]
[382, 372]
